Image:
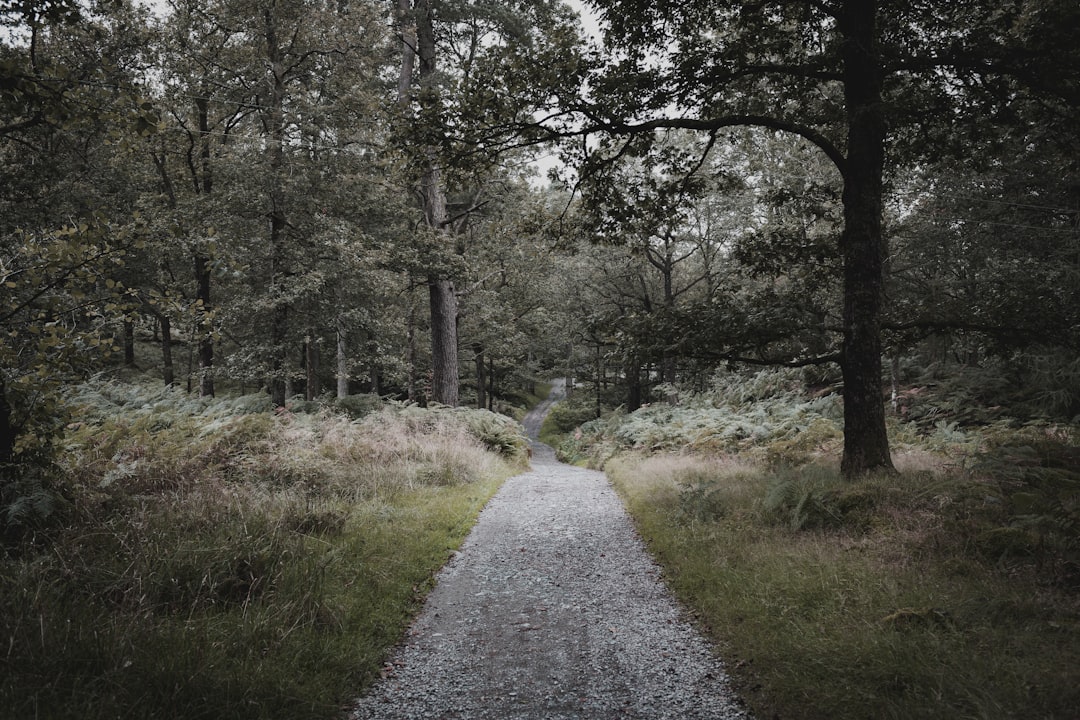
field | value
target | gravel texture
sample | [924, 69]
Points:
[552, 609]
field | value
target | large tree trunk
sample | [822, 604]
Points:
[866, 441]
[279, 270]
[444, 349]
[419, 43]
[202, 263]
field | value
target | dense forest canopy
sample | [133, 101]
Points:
[339, 196]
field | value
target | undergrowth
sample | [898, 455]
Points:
[950, 589]
[215, 559]
[918, 596]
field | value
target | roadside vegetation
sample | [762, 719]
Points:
[948, 590]
[214, 558]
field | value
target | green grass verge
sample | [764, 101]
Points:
[888, 598]
[79, 645]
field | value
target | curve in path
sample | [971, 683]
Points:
[552, 609]
[535, 417]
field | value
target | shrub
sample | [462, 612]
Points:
[1037, 476]
[358, 406]
[497, 433]
[567, 415]
[814, 497]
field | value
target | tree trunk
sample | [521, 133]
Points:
[275, 123]
[8, 432]
[168, 374]
[129, 344]
[632, 370]
[202, 263]
[311, 361]
[481, 376]
[866, 442]
[419, 43]
[342, 361]
[444, 349]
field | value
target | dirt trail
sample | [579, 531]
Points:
[552, 609]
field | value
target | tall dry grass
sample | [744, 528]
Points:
[215, 560]
[897, 596]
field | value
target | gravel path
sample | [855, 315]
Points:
[552, 609]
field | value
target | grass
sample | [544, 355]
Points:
[882, 598]
[218, 563]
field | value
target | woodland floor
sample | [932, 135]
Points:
[552, 609]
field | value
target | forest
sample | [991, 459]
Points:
[275, 273]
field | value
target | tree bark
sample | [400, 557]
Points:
[168, 374]
[313, 388]
[129, 343]
[202, 263]
[8, 432]
[444, 349]
[481, 376]
[275, 124]
[632, 372]
[342, 361]
[866, 441]
[418, 41]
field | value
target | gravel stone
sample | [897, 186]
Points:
[552, 609]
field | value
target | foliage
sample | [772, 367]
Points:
[1036, 475]
[218, 558]
[55, 312]
[498, 433]
[820, 586]
[568, 414]
[1028, 388]
[763, 414]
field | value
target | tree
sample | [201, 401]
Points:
[70, 112]
[846, 76]
[467, 66]
[418, 43]
[268, 165]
